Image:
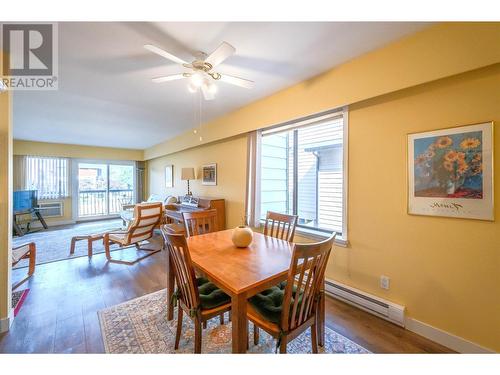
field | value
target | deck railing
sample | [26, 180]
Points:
[95, 202]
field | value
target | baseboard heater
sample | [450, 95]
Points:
[367, 302]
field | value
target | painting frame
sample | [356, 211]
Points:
[169, 176]
[468, 191]
[209, 174]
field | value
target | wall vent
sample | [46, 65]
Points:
[367, 302]
[51, 209]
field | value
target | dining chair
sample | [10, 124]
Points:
[280, 226]
[147, 216]
[287, 310]
[199, 298]
[200, 222]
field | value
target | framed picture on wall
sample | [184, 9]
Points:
[169, 176]
[209, 174]
[450, 172]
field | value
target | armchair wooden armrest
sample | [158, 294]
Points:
[24, 251]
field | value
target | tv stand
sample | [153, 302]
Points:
[17, 228]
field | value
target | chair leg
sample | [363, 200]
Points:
[205, 324]
[179, 328]
[106, 247]
[89, 247]
[314, 339]
[248, 336]
[222, 319]
[72, 248]
[283, 345]
[255, 335]
[197, 337]
[229, 313]
[32, 261]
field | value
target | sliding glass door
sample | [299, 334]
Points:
[103, 188]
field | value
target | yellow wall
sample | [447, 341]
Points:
[445, 271]
[75, 151]
[436, 52]
[5, 202]
[230, 156]
[72, 151]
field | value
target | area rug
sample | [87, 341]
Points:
[54, 244]
[18, 298]
[140, 326]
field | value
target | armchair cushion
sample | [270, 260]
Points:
[210, 294]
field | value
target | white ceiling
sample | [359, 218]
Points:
[106, 97]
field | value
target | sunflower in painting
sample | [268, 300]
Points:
[444, 142]
[469, 143]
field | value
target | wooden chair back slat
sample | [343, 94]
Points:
[200, 222]
[183, 269]
[306, 273]
[280, 226]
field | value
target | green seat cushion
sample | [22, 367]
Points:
[269, 303]
[210, 294]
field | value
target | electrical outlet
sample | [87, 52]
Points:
[385, 282]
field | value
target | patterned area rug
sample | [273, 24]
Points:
[140, 326]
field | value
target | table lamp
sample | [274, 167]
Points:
[186, 175]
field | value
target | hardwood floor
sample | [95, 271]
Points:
[60, 313]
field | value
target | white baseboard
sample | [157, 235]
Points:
[5, 323]
[444, 338]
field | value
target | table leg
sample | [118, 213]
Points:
[170, 288]
[239, 319]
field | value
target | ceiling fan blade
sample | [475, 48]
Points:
[164, 54]
[171, 77]
[242, 82]
[207, 94]
[220, 54]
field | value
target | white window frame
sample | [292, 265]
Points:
[311, 120]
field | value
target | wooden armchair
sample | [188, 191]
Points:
[280, 226]
[200, 299]
[25, 251]
[147, 216]
[300, 297]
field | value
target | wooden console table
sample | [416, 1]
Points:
[174, 211]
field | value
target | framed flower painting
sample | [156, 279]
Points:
[450, 172]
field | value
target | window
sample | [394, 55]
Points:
[48, 175]
[302, 172]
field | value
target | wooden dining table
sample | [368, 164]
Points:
[241, 273]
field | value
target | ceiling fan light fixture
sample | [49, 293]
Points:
[197, 79]
[212, 88]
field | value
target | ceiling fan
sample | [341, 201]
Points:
[202, 75]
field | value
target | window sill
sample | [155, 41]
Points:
[319, 235]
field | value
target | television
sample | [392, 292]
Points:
[25, 201]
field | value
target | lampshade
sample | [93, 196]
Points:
[187, 174]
